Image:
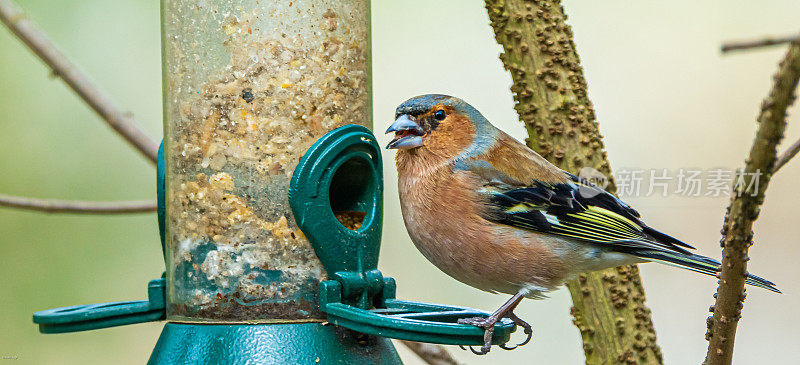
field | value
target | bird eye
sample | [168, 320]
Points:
[439, 115]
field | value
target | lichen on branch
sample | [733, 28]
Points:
[550, 94]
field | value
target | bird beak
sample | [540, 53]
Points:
[407, 133]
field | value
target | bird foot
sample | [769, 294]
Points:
[488, 326]
[488, 330]
[526, 328]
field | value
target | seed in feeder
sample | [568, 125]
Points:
[247, 152]
[247, 95]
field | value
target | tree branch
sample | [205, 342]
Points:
[758, 43]
[77, 206]
[121, 122]
[550, 92]
[744, 208]
[786, 156]
[431, 353]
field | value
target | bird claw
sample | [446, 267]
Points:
[488, 326]
[482, 351]
[526, 328]
[528, 331]
[504, 347]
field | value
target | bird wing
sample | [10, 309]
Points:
[523, 190]
[574, 209]
[579, 210]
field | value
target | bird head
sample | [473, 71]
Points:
[442, 124]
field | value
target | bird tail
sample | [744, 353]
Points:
[701, 264]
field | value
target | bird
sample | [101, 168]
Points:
[491, 213]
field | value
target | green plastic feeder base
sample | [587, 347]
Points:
[300, 343]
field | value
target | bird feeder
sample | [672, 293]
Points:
[270, 196]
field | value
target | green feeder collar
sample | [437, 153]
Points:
[342, 172]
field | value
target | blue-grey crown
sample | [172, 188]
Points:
[423, 103]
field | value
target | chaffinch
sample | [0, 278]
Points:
[493, 214]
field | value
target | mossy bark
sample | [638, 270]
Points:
[737, 231]
[550, 92]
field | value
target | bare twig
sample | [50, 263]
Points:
[758, 43]
[744, 208]
[123, 123]
[786, 156]
[431, 353]
[77, 206]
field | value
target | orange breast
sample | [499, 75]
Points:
[441, 213]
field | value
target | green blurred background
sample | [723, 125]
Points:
[664, 95]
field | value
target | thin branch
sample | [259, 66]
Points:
[759, 43]
[77, 206]
[744, 208]
[786, 156]
[430, 353]
[123, 123]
